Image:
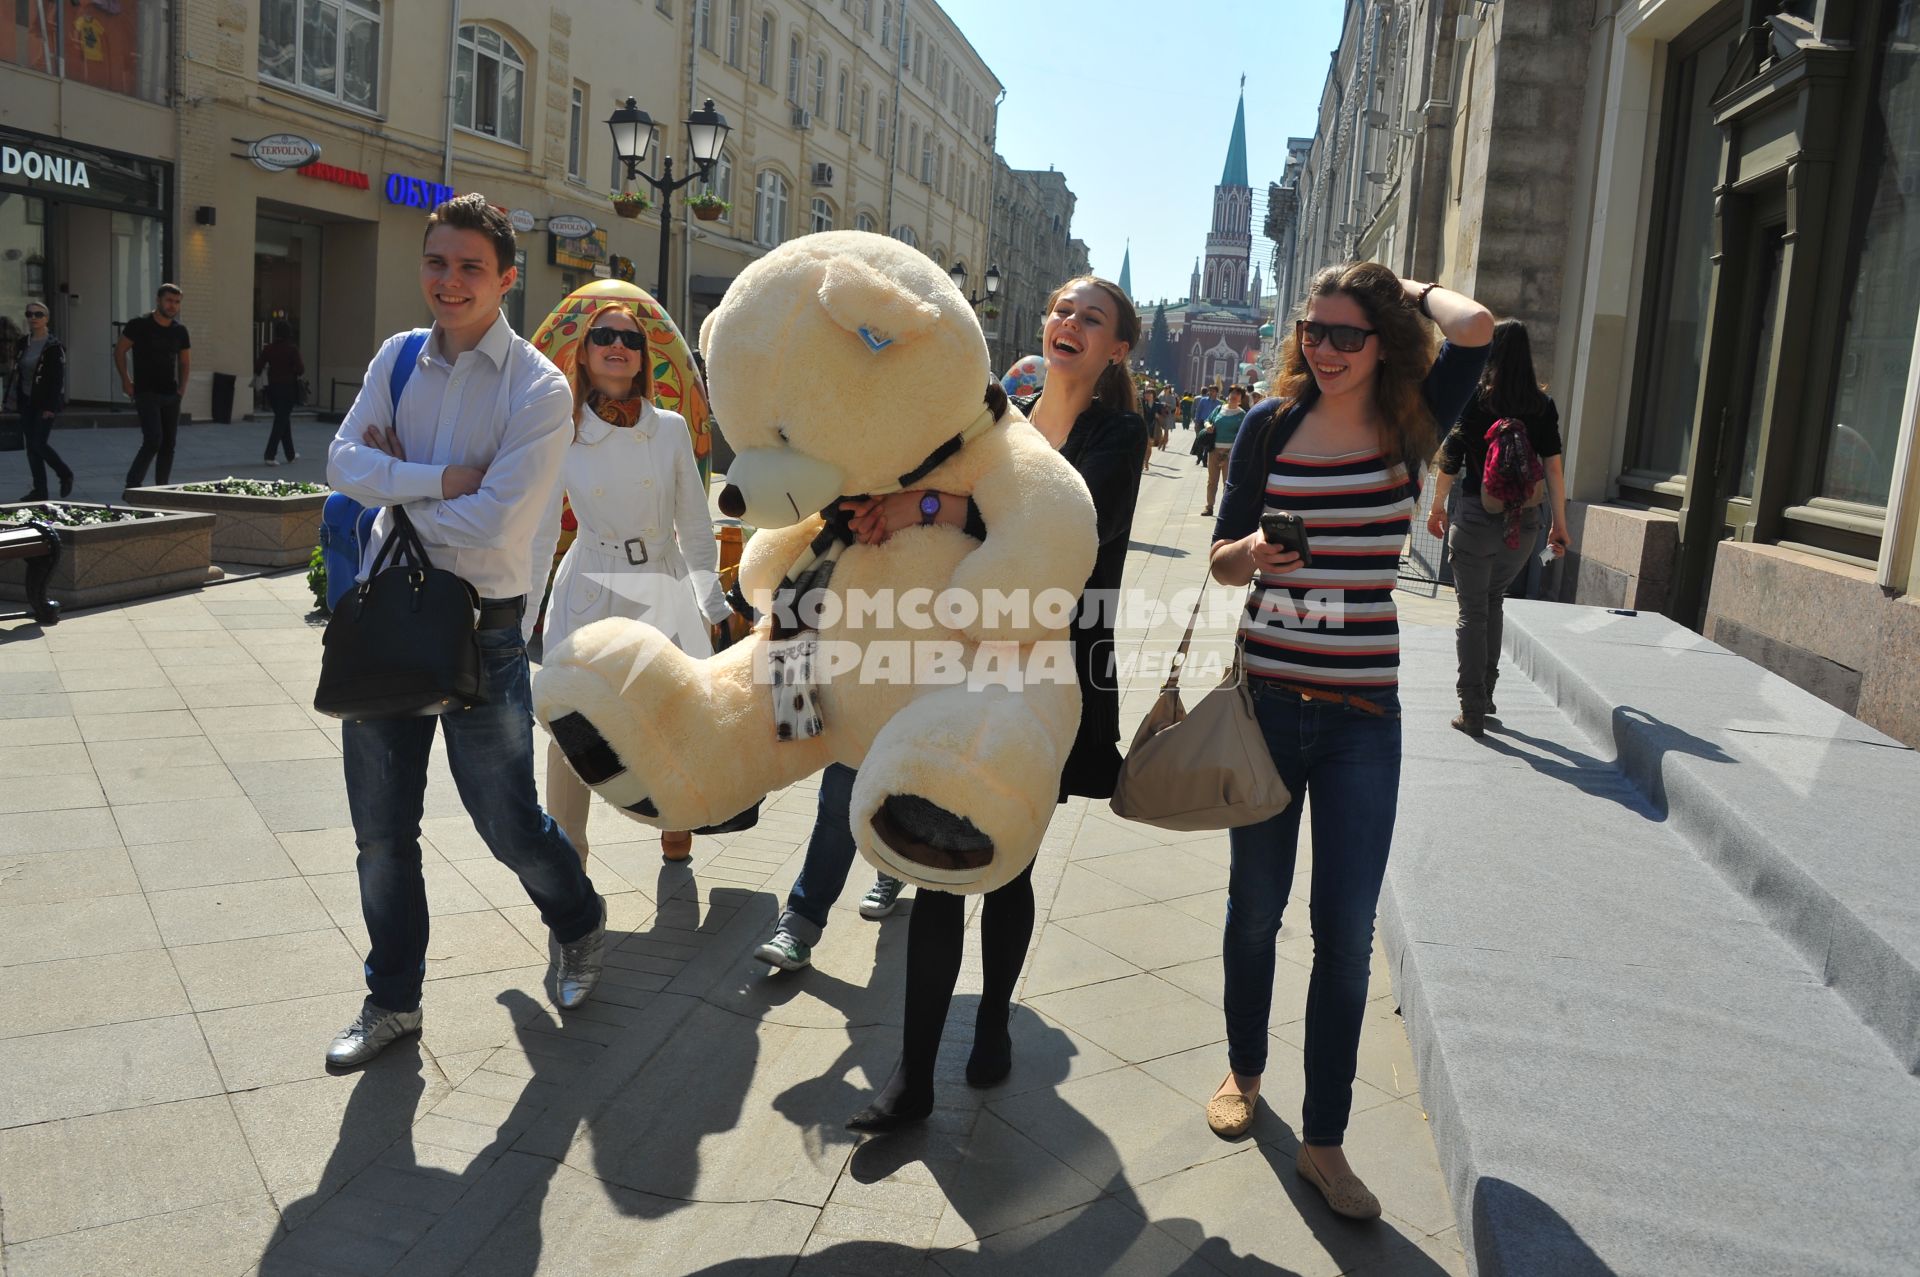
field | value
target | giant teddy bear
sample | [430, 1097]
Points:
[842, 364]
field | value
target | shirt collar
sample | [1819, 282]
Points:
[590, 427]
[496, 345]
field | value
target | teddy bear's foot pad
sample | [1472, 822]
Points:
[587, 751]
[930, 835]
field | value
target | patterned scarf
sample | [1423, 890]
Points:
[616, 412]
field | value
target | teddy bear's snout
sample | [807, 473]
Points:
[778, 487]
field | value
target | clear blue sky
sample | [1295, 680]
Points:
[1133, 100]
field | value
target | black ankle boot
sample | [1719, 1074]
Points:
[899, 1104]
[992, 1056]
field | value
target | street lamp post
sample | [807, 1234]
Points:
[633, 135]
[959, 277]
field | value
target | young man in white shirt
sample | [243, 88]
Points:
[473, 450]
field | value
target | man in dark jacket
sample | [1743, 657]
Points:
[39, 392]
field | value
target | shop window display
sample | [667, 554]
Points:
[326, 47]
[118, 45]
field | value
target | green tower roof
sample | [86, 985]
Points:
[1235, 173]
[1126, 271]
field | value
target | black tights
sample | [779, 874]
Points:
[936, 930]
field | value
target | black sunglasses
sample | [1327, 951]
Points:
[36, 314]
[1345, 337]
[625, 336]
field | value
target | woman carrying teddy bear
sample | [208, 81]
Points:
[1087, 413]
[645, 547]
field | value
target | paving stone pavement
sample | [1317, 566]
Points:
[180, 928]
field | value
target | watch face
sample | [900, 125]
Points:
[930, 505]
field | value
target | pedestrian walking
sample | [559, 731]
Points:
[1149, 413]
[38, 392]
[472, 444]
[1225, 425]
[280, 362]
[645, 547]
[1359, 389]
[1086, 413]
[162, 361]
[1186, 412]
[1490, 539]
[829, 860]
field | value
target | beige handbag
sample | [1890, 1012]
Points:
[1206, 770]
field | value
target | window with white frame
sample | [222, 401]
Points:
[840, 103]
[886, 24]
[926, 158]
[943, 81]
[664, 6]
[734, 19]
[719, 178]
[822, 215]
[793, 69]
[769, 209]
[913, 145]
[906, 236]
[866, 16]
[880, 130]
[766, 49]
[919, 55]
[326, 47]
[861, 120]
[941, 172]
[577, 131]
[703, 23]
[489, 84]
[864, 222]
[820, 87]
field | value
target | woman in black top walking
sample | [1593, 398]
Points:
[39, 392]
[280, 361]
[1087, 413]
[1484, 565]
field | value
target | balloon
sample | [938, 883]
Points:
[1027, 376]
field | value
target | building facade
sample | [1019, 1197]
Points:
[276, 158]
[1034, 246]
[1705, 211]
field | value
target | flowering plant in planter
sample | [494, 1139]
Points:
[255, 487]
[630, 203]
[709, 207]
[73, 516]
[991, 312]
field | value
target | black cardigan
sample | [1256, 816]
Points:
[1108, 446]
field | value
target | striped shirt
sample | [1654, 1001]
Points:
[1334, 624]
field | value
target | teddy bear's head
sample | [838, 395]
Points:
[839, 362]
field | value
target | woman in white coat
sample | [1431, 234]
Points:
[645, 547]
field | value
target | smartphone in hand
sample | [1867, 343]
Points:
[1284, 528]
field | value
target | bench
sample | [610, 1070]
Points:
[39, 545]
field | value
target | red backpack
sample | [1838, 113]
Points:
[1512, 479]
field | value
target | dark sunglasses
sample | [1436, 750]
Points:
[1345, 337]
[626, 337]
[36, 314]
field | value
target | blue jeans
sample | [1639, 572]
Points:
[830, 853]
[490, 752]
[1349, 763]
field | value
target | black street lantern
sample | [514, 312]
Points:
[634, 132]
[958, 274]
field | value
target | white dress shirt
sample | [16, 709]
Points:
[645, 546]
[501, 406]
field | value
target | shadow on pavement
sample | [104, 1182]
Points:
[1516, 1235]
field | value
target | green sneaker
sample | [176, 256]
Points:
[881, 897]
[785, 951]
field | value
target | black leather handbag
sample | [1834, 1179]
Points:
[402, 644]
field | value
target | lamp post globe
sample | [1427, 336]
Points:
[993, 280]
[633, 132]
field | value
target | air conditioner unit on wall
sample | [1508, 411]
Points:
[802, 118]
[823, 174]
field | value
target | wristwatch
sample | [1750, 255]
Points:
[929, 508]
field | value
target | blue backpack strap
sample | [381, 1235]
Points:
[403, 365]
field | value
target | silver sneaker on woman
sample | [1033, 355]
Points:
[577, 968]
[375, 1030]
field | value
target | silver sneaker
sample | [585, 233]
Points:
[881, 897]
[375, 1030]
[577, 969]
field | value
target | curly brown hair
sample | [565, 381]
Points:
[1406, 355]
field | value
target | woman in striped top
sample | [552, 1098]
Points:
[1362, 397]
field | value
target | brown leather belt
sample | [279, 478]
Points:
[1336, 698]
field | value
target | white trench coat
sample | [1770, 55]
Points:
[645, 548]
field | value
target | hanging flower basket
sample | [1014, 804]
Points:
[709, 208]
[630, 203]
[991, 312]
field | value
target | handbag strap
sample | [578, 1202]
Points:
[402, 537]
[1180, 653]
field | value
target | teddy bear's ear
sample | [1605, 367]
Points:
[862, 300]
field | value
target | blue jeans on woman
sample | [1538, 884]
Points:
[830, 853]
[490, 752]
[1348, 761]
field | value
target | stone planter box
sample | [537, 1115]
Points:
[110, 562]
[274, 532]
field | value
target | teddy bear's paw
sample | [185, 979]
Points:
[593, 759]
[930, 835]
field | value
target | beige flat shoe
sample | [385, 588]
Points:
[1345, 1194]
[1229, 1114]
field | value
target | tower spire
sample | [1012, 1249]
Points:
[1126, 271]
[1235, 172]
